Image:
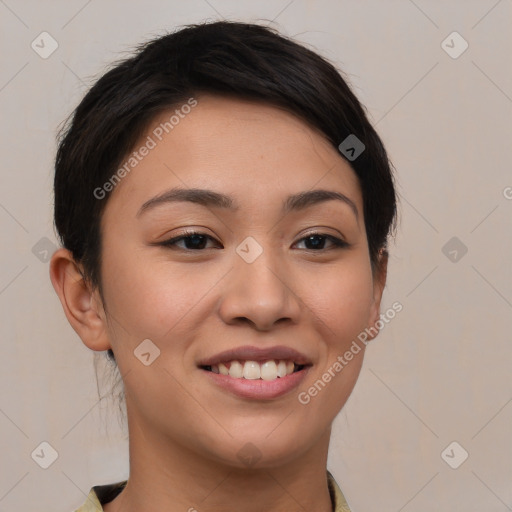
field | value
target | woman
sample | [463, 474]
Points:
[224, 206]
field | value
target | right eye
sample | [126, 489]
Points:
[194, 241]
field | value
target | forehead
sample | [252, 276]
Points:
[246, 149]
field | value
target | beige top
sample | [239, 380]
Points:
[101, 494]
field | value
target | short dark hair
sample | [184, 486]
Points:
[237, 59]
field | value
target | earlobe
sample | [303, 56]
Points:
[78, 301]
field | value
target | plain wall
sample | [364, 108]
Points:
[438, 372]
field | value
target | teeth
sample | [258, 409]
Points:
[281, 369]
[236, 370]
[269, 370]
[253, 370]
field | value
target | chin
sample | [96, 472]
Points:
[264, 448]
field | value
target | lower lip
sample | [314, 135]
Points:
[259, 389]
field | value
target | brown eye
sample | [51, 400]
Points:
[194, 241]
[316, 241]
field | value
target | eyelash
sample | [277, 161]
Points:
[171, 243]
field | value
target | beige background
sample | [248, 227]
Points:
[438, 373]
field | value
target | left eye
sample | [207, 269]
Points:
[313, 239]
[196, 241]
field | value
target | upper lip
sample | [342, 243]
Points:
[252, 353]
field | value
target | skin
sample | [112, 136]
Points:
[185, 432]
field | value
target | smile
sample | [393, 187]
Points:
[252, 380]
[253, 370]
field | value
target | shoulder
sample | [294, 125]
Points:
[99, 495]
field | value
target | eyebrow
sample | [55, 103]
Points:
[210, 198]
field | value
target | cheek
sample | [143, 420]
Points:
[157, 299]
[160, 299]
[340, 300]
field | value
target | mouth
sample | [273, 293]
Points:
[268, 370]
[257, 373]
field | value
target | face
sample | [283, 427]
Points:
[262, 272]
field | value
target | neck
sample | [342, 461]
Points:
[168, 476]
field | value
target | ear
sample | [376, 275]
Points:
[82, 306]
[379, 282]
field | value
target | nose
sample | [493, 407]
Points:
[259, 293]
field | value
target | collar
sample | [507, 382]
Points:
[339, 502]
[101, 494]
